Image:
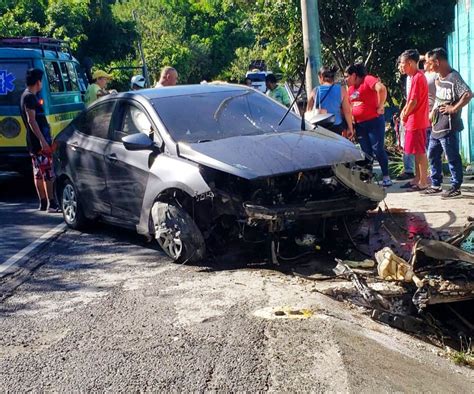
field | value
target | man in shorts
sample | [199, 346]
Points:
[38, 140]
[415, 116]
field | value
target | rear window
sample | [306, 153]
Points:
[12, 81]
[256, 77]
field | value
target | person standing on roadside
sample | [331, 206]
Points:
[275, 91]
[367, 96]
[430, 76]
[38, 140]
[137, 82]
[332, 98]
[168, 77]
[415, 117]
[452, 94]
[408, 160]
[97, 89]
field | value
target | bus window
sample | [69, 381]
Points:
[82, 79]
[66, 78]
[8, 71]
[54, 77]
[72, 76]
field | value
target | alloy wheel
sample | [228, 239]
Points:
[170, 241]
[69, 203]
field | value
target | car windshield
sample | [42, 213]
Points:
[217, 115]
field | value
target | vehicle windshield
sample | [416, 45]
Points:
[217, 115]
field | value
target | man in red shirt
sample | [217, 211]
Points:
[367, 96]
[415, 115]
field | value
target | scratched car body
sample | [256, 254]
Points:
[198, 166]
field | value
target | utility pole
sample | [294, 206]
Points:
[311, 41]
[140, 50]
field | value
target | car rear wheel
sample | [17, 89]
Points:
[177, 233]
[72, 207]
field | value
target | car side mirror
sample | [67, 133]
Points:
[138, 141]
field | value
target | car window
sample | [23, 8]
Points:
[12, 81]
[218, 115]
[54, 77]
[132, 120]
[95, 121]
[135, 121]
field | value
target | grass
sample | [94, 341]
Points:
[465, 356]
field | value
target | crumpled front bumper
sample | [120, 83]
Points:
[317, 209]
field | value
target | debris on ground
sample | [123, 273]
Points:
[392, 267]
[435, 296]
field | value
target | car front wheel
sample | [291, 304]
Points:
[72, 207]
[177, 233]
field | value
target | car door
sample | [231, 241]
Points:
[127, 171]
[86, 148]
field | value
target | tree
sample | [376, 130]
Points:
[377, 32]
[198, 37]
[66, 20]
[372, 31]
[22, 17]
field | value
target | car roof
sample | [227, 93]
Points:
[183, 90]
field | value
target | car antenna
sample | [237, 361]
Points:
[303, 127]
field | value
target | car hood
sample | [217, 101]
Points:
[256, 156]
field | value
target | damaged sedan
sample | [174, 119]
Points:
[199, 166]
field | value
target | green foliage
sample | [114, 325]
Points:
[207, 39]
[66, 20]
[277, 27]
[378, 31]
[88, 25]
[197, 37]
[21, 17]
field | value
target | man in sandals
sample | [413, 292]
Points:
[415, 117]
[452, 94]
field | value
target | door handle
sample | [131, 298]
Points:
[112, 157]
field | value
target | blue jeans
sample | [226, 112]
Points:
[450, 146]
[408, 163]
[371, 137]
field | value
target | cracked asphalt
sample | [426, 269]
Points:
[107, 312]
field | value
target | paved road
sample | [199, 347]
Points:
[21, 222]
[106, 311]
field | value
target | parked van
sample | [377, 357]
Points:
[62, 94]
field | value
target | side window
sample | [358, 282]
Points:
[96, 121]
[134, 121]
[72, 76]
[66, 77]
[54, 77]
[81, 79]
